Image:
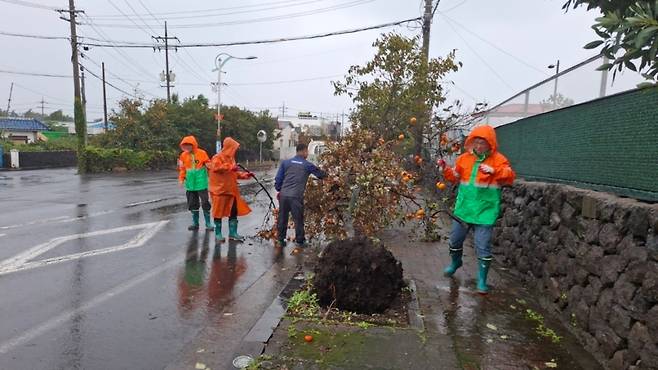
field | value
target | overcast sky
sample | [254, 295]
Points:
[528, 35]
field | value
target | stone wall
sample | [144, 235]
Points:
[593, 257]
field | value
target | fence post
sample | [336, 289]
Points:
[2, 164]
[14, 158]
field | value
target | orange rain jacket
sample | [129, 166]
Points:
[478, 200]
[224, 182]
[192, 166]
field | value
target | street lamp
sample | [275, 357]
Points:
[220, 60]
[557, 72]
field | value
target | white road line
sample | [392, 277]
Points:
[22, 261]
[62, 318]
[60, 219]
[148, 202]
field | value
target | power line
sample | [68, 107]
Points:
[213, 13]
[30, 4]
[492, 44]
[119, 77]
[34, 74]
[257, 42]
[206, 10]
[493, 70]
[111, 85]
[253, 20]
[43, 37]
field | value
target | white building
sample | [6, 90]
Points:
[285, 140]
[21, 130]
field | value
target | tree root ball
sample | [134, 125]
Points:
[361, 276]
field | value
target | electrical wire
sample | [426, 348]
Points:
[350, 4]
[109, 72]
[131, 64]
[30, 4]
[43, 37]
[257, 42]
[492, 44]
[213, 14]
[34, 74]
[111, 84]
[495, 73]
[205, 11]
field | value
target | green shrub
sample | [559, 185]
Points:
[105, 160]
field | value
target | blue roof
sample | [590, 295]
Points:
[22, 124]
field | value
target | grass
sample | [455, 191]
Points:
[542, 329]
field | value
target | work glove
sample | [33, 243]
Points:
[484, 168]
[278, 196]
[236, 168]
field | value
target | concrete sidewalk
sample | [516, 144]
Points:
[462, 330]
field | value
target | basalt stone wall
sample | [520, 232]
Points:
[593, 257]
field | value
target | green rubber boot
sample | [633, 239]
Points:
[218, 230]
[483, 270]
[206, 219]
[195, 221]
[456, 255]
[233, 231]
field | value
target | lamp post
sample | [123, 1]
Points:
[557, 72]
[220, 60]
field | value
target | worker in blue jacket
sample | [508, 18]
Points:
[290, 183]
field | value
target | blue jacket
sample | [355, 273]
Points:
[293, 175]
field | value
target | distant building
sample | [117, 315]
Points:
[21, 130]
[510, 113]
[285, 140]
[93, 128]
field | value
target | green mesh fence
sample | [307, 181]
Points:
[610, 144]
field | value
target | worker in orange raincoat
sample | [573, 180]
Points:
[480, 171]
[224, 191]
[193, 174]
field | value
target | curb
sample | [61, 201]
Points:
[413, 310]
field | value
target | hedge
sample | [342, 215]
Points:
[105, 160]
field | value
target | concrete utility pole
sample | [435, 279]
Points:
[283, 109]
[78, 111]
[104, 98]
[11, 90]
[82, 92]
[42, 108]
[166, 39]
[426, 113]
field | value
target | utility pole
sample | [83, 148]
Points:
[78, 111]
[84, 96]
[425, 115]
[42, 108]
[11, 90]
[167, 73]
[104, 98]
[283, 109]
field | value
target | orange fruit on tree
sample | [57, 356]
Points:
[440, 185]
[412, 121]
[308, 338]
[401, 137]
[420, 212]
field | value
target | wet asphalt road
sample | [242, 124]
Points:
[100, 272]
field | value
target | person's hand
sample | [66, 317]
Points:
[484, 168]
[251, 175]
[208, 165]
[235, 168]
[441, 163]
[180, 184]
[278, 196]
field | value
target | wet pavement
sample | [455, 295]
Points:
[100, 272]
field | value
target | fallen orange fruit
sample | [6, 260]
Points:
[440, 186]
[308, 338]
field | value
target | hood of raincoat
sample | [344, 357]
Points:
[487, 133]
[230, 148]
[190, 140]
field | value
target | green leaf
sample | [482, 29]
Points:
[645, 85]
[644, 36]
[630, 65]
[605, 67]
[593, 44]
